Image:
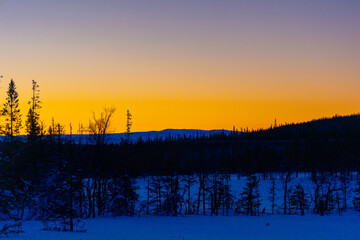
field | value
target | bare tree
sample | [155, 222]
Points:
[99, 127]
[326, 187]
[286, 181]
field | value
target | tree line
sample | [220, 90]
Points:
[53, 178]
[11, 112]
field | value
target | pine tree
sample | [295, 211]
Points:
[56, 201]
[356, 200]
[11, 112]
[299, 199]
[250, 197]
[272, 195]
[228, 196]
[344, 178]
[189, 180]
[172, 197]
[155, 194]
[7, 201]
[33, 124]
[128, 125]
[51, 131]
[123, 195]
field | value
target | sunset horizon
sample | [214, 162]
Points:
[180, 119]
[183, 65]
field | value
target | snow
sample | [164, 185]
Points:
[266, 226]
[237, 183]
[210, 228]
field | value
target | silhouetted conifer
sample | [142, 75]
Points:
[11, 112]
[33, 124]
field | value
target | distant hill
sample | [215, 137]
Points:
[151, 135]
[337, 127]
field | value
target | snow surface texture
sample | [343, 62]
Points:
[266, 226]
[237, 183]
[208, 228]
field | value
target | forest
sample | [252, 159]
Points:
[49, 176]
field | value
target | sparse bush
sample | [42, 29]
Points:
[63, 224]
[11, 229]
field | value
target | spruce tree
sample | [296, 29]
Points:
[272, 195]
[123, 195]
[299, 199]
[189, 180]
[33, 124]
[250, 197]
[128, 125]
[356, 200]
[11, 112]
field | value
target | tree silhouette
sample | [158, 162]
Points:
[33, 124]
[99, 127]
[128, 125]
[11, 112]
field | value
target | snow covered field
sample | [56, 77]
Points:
[210, 228]
[266, 226]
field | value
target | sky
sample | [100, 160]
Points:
[200, 64]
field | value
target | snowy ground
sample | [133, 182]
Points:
[266, 226]
[238, 182]
[210, 228]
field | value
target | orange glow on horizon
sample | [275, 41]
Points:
[183, 64]
[186, 114]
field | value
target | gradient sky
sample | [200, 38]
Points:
[184, 64]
